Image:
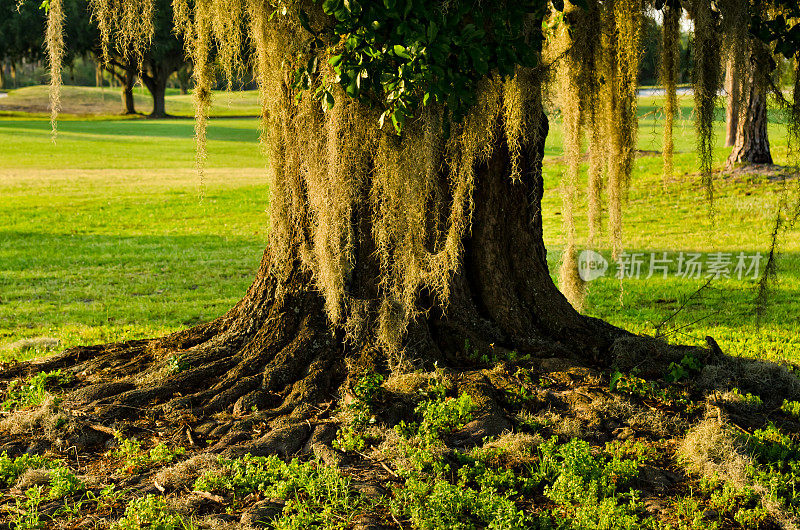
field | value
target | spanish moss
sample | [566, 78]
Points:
[670, 59]
[706, 74]
[125, 24]
[624, 19]
[55, 48]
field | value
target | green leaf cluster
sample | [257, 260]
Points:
[402, 55]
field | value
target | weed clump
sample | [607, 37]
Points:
[313, 493]
[33, 391]
[184, 473]
[11, 469]
[770, 381]
[135, 459]
[151, 511]
[709, 449]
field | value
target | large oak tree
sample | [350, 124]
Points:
[405, 142]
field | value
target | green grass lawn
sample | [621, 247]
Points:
[104, 236]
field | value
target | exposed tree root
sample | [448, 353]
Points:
[515, 404]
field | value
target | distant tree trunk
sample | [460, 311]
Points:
[732, 110]
[156, 83]
[129, 79]
[98, 75]
[752, 142]
[13, 68]
[155, 77]
[3, 74]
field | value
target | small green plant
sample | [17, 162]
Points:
[772, 447]
[137, 459]
[315, 495]
[12, 468]
[366, 393]
[679, 371]
[742, 504]
[439, 415]
[792, 408]
[591, 488]
[63, 482]
[103, 501]
[441, 504]
[163, 454]
[747, 398]
[547, 382]
[520, 396]
[633, 385]
[27, 515]
[33, 391]
[150, 512]
[176, 364]
[534, 422]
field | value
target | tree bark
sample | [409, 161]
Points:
[752, 140]
[732, 86]
[98, 75]
[155, 77]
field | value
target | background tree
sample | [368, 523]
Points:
[153, 64]
[21, 37]
[651, 42]
[733, 97]
[405, 142]
[748, 113]
[772, 36]
[125, 73]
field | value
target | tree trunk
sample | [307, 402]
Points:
[752, 141]
[155, 79]
[2, 74]
[128, 82]
[275, 355]
[732, 86]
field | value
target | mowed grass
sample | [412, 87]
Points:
[104, 235]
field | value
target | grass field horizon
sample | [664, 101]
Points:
[106, 235]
